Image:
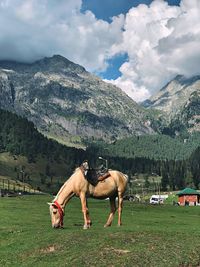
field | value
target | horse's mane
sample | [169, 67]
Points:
[63, 186]
[76, 169]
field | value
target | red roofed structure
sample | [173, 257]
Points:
[188, 196]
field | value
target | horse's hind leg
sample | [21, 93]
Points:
[120, 203]
[112, 212]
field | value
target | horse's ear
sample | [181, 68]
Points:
[48, 203]
[85, 165]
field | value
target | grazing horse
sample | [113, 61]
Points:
[113, 186]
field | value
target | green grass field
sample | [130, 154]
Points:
[150, 236]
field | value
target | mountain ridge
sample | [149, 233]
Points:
[178, 103]
[65, 101]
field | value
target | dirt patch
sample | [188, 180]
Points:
[49, 249]
[117, 251]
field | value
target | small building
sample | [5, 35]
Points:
[188, 196]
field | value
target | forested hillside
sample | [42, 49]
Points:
[46, 164]
[33, 158]
[20, 137]
[176, 160]
[155, 147]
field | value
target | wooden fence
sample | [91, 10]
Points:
[11, 186]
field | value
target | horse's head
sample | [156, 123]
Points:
[57, 214]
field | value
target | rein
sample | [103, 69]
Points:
[60, 211]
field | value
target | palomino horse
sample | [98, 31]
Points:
[112, 187]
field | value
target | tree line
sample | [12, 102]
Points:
[176, 160]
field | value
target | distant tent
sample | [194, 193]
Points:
[188, 196]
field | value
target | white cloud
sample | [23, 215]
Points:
[131, 89]
[32, 29]
[161, 41]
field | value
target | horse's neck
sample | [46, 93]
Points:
[65, 193]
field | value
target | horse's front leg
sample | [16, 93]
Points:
[87, 221]
[120, 204]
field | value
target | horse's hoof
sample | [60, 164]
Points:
[107, 225]
[85, 227]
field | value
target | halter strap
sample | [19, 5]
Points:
[60, 210]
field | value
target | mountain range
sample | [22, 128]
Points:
[179, 104]
[67, 103]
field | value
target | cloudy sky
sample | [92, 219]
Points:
[137, 45]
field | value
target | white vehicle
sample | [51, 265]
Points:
[158, 199]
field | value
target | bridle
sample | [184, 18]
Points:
[60, 211]
[84, 168]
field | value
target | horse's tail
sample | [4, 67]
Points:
[126, 177]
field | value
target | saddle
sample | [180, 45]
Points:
[94, 176]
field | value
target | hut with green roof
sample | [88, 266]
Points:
[188, 196]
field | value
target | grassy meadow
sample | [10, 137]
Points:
[150, 235]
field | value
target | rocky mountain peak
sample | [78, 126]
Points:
[57, 63]
[66, 102]
[172, 97]
[179, 102]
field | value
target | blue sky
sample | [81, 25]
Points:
[106, 9]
